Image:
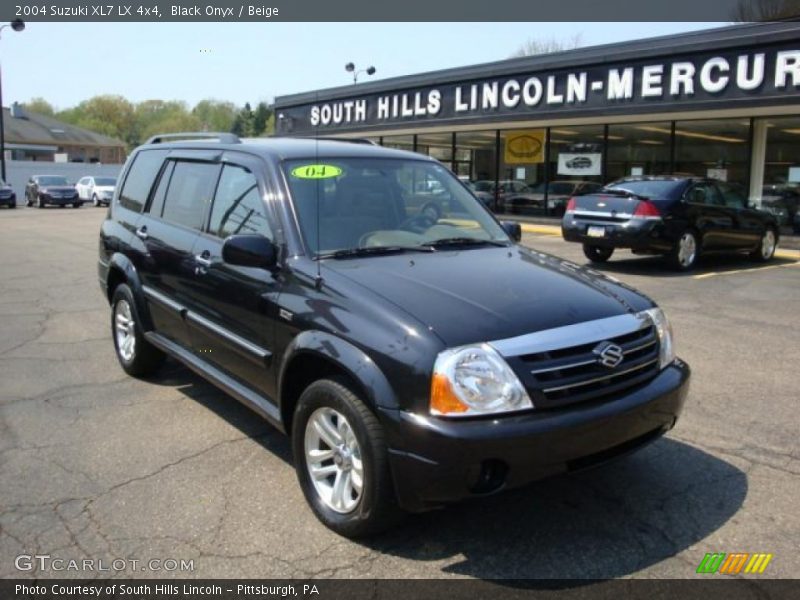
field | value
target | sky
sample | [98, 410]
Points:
[66, 63]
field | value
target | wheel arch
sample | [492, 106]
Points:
[315, 355]
[122, 270]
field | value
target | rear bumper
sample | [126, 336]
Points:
[638, 234]
[436, 461]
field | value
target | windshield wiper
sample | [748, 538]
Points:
[464, 241]
[372, 250]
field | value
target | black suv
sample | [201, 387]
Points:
[415, 354]
[676, 216]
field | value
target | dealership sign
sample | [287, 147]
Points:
[686, 82]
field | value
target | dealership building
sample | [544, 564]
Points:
[722, 103]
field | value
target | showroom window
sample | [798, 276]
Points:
[780, 192]
[522, 170]
[401, 142]
[718, 148]
[639, 149]
[476, 162]
[437, 145]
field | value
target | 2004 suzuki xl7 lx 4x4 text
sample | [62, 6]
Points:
[363, 301]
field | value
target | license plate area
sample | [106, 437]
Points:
[596, 231]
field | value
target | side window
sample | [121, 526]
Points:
[238, 207]
[703, 193]
[140, 179]
[157, 204]
[189, 193]
[732, 196]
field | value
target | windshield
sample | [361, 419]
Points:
[654, 189]
[105, 181]
[52, 180]
[349, 203]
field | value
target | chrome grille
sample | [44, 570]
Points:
[557, 375]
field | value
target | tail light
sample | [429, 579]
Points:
[647, 209]
[570, 205]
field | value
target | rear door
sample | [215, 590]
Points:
[707, 214]
[747, 224]
[233, 310]
[168, 230]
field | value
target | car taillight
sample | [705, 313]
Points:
[570, 205]
[646, 209]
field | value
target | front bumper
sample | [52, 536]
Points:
[8, 200]
[435, 461]
[48, 199]
[639, 234]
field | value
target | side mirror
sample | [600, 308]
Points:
[513, 229]
[251, 250]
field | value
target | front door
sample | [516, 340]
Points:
[747, 226]
[708, 215]
[233, 310]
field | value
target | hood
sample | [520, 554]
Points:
[485, 294]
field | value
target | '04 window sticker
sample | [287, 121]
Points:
[316, 172]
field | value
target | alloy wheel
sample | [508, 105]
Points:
[768, 244]
[125, 330]
[687, 249]
[333, 460]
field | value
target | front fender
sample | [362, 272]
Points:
[354, 361]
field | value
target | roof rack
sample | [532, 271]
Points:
[223, 138]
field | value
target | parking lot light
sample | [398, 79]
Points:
[16, 25]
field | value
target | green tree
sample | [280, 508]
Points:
[766, 10]
[160, 116]
[40, 106]
[215, 115]
[243, 123]
[261, 118]
[110, 115]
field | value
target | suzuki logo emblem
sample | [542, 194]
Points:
[609, 355]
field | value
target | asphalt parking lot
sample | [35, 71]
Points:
[94, 464]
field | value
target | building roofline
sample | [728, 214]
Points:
[747, 34]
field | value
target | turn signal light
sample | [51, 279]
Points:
[570, 205]
[443, 400]
[646, 209]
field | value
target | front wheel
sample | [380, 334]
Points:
[684, 254]
[95, 201]
[39, 202]
[766, 248]
[597, 254]
[341, 460]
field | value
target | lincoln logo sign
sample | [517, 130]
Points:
[685, 81]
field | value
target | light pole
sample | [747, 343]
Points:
[351, 68]
[16, 25]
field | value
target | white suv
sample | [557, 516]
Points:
[97, 189]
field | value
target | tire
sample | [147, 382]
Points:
[141, 358]
[360, 440]
[39, 202]
[95, 201]
[597, 254]
[77, 205]
[683, 256]
[766, 246]
[12, 205]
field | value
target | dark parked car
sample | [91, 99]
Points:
[679, 217]
[42, 190]
[782, 201]
[7, 196]
[415, 359]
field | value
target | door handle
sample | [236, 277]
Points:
[141, 233]
[203, 261]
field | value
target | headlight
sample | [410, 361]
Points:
[475, 380]
[664, 330]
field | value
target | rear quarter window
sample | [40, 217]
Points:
[141, 176]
